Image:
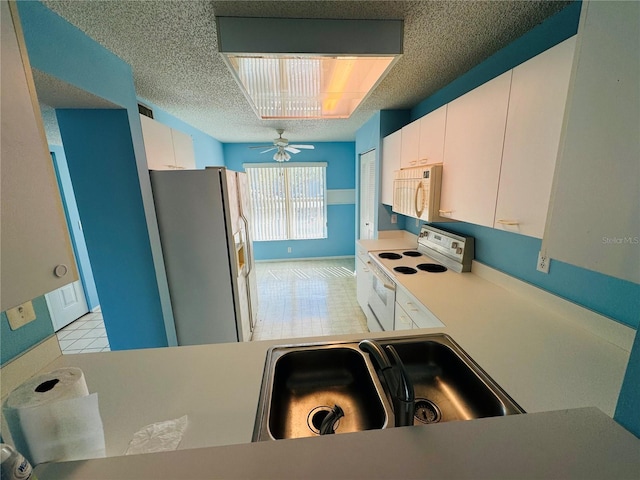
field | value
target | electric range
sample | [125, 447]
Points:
[437, 252]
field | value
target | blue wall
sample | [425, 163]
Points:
[110, 207]
[369, 137]
[14, 342]
[207, 150]
[73, 219]
[63, 51]
[628, 410]
[341, 218]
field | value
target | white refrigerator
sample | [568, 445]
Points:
[205, 232]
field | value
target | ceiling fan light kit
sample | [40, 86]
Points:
[282, 147]
[321, 68]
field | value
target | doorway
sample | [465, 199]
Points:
[367, 194]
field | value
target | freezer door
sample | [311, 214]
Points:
[250, 273]
[232, 195]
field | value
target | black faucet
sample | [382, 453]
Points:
[329, 422]
[399, 385]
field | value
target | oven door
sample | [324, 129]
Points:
[382, 299]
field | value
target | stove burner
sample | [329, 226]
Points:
[412, 253]
[390, 255]
[405, 270]
[432, 267]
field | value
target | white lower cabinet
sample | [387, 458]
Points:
[364, 279]
[416, 312]
[402, 320]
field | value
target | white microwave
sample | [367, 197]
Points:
[416, 192]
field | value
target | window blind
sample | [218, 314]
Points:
[288, 202]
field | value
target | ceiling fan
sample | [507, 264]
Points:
[282, 147]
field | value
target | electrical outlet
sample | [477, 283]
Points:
[288, 249]
[394, 218]
[543, 263]
[21, 315]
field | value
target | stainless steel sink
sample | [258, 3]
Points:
[448, 384]
[301, 383]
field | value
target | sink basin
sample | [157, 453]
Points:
[304, 383]
[448, 384]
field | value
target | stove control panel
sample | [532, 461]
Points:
[455, 251]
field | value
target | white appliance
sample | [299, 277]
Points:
[438, 253]
[205, 232]
[416, 192]
[381, 301]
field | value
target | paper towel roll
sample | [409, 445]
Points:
[52, 417]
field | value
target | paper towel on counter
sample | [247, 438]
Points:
[52, 417]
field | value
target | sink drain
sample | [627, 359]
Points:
[427, 411]
[316, 416]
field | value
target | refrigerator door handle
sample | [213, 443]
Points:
[247, 243]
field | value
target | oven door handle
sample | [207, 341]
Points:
[389, 286]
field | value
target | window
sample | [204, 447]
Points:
[288, 202]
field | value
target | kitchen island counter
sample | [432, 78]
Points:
[542, 358]
[573, 444]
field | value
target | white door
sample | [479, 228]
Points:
[367, 194]
[66, 304]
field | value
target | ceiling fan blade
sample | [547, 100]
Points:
[305, 147]
[268, 149]
[261, 146]
[291, 149]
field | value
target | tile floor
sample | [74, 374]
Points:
[85, 335]
[296, 299]
[307, 298]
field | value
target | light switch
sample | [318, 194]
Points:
[21, 315]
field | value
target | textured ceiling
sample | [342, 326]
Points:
[172, 48]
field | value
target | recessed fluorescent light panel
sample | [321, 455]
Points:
[308, 68]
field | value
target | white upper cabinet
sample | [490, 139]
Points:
[473, 152]
[165, 147]
[36, 249]
[183, 150]
[534, 122]
[431, 143]
[594, 216]
[391, 148]
[410, 145]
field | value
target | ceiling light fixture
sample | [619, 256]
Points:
[308, 68]
[281, 155]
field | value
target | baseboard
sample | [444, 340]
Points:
[304, 259]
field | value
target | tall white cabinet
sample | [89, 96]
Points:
[473, 152]
[594, 216]
[534, 122]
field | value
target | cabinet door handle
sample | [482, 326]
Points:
[413, 309]
[419, 208]
[445, 212]
[508, 222]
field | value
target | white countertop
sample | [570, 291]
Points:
[539, 357]
[530, 342]
[572, 444]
